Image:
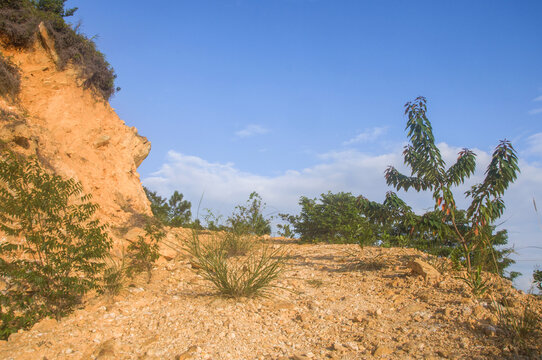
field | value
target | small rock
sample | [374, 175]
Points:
[106, 351]
[447, 312]
[382, 350]
[338, 347]
[352, 346]
[45, 325]
[479, 311]
[358, 319]
[443, 353]
[429, 273]
[303, 317]
[489, 330]
[412, 308]
[102, 141]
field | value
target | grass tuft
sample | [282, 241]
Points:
[235, 277]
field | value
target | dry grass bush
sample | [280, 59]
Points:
[240, 276]
[235, 244]
[10, 78]
[522, 327]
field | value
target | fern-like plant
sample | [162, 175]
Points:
[429, 172]
[143, 252]
[53, 249]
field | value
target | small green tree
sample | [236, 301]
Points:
[537, 279]
[53, 251]
[173, 212]
[429, 172]
[179, 210]
[249, 219]
[55, 7]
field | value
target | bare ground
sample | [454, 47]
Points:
[334, 301]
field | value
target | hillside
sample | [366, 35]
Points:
[334, 301]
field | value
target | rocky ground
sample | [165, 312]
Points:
[333, 301]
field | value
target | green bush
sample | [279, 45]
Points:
[236, 277]
[334, 218]
[53, 251]
[19, 20]
[143, 252]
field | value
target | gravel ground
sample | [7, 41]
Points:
[333, 301]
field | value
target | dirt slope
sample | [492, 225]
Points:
[76, 133]
[336, 301]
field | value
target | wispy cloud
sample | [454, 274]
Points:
[534, 144]
[367, 135]
[251, 130]
[537, 110]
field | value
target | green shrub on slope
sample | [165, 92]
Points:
[54, 249]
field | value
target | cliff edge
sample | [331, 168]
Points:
[74, 132]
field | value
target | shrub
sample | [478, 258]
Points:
[475, 281]
[284, 230]
[143, 252]
[10, 79]
[537, 279]
[114, 275]
[54, 250]
[334, 218]
[19, 20]
[236, 277]
[173, 212]
[249, 218]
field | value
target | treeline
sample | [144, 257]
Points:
[349, 219]
[248, 218]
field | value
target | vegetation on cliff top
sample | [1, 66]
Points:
[19, 21]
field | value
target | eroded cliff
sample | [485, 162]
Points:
[74, 132]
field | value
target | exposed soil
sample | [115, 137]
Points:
[334, 301]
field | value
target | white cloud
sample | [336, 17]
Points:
[251, 130]
[368, 135]
[223, 186]
[538, 98]
[535, 111]
[534, 143]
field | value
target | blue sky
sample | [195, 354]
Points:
[298, 97]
